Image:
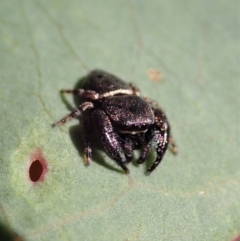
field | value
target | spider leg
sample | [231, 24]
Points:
[172, 145]
[93, 95]
[145, 152]
[109, 138]
[161, 137]
[87, 150]
[75, 113]
[134, 89]
[128, 147]
[88, 94]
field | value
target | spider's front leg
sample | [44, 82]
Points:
[109, 138]
[161, 137]
[86, 141]
[146, 147]
[128, 147]
[88, 94]
[75, 113]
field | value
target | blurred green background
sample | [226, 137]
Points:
[183, 54]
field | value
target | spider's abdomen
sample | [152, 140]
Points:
[103, 82]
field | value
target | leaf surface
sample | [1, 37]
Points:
[184, 55]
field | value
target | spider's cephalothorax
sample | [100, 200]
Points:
[124, 121]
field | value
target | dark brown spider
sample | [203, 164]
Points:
[123, 120]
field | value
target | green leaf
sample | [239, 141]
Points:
[184, 55]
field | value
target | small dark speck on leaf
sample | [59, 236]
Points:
[38, 166]
[35, 171]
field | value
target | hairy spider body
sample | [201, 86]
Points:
[124, 120]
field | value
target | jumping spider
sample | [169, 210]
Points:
[124, 121]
